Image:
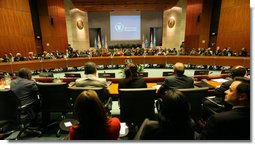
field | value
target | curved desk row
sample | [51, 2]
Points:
[11, 67]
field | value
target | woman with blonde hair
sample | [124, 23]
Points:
[94, 124]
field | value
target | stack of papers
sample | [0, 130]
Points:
[220, 80]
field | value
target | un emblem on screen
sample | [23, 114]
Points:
[119, 27]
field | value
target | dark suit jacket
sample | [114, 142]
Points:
[138, 82]
[179, 82]
[230, 125]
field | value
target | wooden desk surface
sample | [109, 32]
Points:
[113, 88]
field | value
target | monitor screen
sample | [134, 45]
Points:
[125, 27]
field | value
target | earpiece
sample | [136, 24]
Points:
[159, 104]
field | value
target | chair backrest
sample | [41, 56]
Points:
[195, 97]
[54, 97]
[72, 75]
[74, 92]
[143, 74]
[9, 112]
[201, 72]
[46, 74]
[136, 104]
[106, 75]
[9, 105]
[167, 73]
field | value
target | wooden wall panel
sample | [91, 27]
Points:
[55, 34]
[16, 27]
[234, 25]
[194, 9]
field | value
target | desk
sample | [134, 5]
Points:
[11, 67]
[113, 88]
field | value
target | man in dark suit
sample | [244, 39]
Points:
[233, 124]
[178, 80]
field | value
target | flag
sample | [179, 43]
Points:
[154, 38]
[151, 44]
[95, 42]
[98, 42]
[105, 42]
[146, 42]
[143, 43]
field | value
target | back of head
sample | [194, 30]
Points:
[174, 107]
[238, 71]
[91, 115]
[90, 68]
[131, 70]
[179, 68]
[25, 73]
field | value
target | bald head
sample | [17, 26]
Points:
[179, 68]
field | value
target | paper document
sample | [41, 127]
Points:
[220, 80]
[156, 87]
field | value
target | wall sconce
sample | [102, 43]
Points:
[171, 22]
[80, 24]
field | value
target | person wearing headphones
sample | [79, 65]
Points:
[174, 121]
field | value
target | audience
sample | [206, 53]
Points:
[174, 119]
[178, 80]
[132, 80]
[233, 124]
[94, 124]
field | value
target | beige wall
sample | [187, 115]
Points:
[79, 39]
[172, 37]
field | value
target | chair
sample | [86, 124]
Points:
[54, 98]
[11, 119]
[195, 97]
[106, 75]
[46, 74]
[103, 94]
[136, 105]
[201, 72]
[72, 75]
[167, 73]
[143, 74]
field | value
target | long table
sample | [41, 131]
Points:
[11, 67]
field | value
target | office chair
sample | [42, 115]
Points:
[195, 97]
[11, 117]
[54, 98]
[136, 105]
[102, 93]
[106, 75]
[201, 72]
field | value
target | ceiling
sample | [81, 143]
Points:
[110, 5]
